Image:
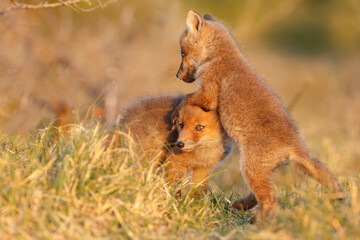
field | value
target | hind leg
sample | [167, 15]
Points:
[259, 180]
[246, 203]
[314, 168]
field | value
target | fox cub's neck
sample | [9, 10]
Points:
[226, 59]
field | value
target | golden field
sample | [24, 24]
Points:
[66, 186]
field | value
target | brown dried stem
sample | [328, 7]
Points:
[297, 96]
[15, 5]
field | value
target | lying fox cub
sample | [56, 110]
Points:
[194, 140]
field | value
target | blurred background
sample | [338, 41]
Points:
[59, 61]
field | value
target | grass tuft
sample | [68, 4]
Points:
[67, 185]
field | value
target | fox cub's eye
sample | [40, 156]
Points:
[183, 54]
[181, 125]
[199, 127]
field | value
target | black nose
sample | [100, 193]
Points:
[180, 144]
[177, 74]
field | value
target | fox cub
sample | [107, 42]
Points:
[194, 141]
[250, 112]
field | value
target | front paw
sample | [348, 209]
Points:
[207, 106]
[210, 105]
[203, 103]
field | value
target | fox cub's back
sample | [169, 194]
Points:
[149, 123]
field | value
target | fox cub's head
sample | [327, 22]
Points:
[197, 43]
[196, 127]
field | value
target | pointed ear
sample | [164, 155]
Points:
[174, 117]
[209, 17]
[194, 21]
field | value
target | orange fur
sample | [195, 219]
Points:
[149, 122]
[250, 112]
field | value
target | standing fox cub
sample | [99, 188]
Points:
[196, 141]
[250, 112]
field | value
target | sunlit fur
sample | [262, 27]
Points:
[192, 116]
[150, 125]
[250, 112]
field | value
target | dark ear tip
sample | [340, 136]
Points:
[174, 116]
[192, 11]
[209, 17]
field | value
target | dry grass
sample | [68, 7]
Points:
[72, 188]
[69, 187]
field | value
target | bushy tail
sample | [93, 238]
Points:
[314, 168]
